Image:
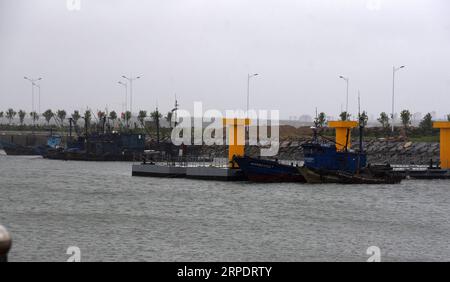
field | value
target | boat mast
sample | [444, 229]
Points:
[316, 125]
[361, 127]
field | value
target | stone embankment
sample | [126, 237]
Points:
[378, 151]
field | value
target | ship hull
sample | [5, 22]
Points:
[321, 176]
[69, 156]
[20, 151]
[257, 170]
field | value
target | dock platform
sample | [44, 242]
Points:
[191, 172]
[155, 170]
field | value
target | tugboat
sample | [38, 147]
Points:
[260, 170]
[324, 163]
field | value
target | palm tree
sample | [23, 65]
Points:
[141, 117]
[34, 116]
[384, 120]
[126, 116]
[363, 119]
[61, 114]
[405, 115]
[48, 115]
[10, 114]
[156, 115]
[22, 115]
[344, 116]
[427, 124]
[168, 118]
[321, 120]
[76, 116]
[87, 118]
[101, 115]
[113, 116]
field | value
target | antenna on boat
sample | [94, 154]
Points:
[359, 104]
[174, 112]
[314, 127]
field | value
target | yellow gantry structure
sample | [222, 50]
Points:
[343, 128]
[236, 137]
[444, 126]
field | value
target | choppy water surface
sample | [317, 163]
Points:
[50, 205]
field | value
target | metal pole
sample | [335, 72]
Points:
[249, 76]
[126, 95]
[39, 102]
[347, 81]
[131, 96]
[5, 244]
[393, 97]
[32, 96]
[346, 105]
[248, 93]
[130, 80]
[33, 83]
[70, 127]
[394, 70]
[126, 98]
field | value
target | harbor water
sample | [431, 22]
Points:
[49, 206]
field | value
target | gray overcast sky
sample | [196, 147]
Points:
[202, 50]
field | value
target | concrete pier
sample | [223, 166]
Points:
[158, 170]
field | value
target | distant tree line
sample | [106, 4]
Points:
[425, 126]
[59, 119]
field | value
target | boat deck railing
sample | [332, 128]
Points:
[199, 161]
[410, 167]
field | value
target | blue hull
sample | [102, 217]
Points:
[259, 170]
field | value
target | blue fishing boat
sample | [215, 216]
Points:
[323, 156]
[324, 163]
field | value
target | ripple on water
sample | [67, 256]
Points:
[51, 205]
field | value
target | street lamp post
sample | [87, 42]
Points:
[347, 81]
[394, 70]
[33, 83]
[249, 76]
[126, 94]
[39, 97]
[130, 80]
